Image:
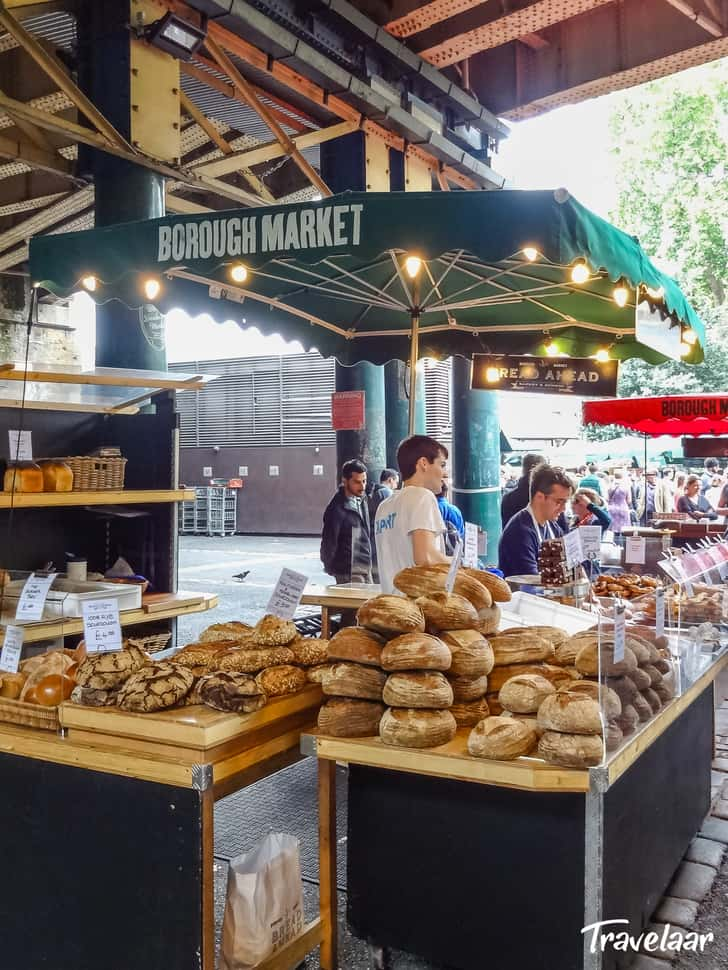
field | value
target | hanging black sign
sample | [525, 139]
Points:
[580, 376]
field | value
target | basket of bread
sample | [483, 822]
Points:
[30, 696]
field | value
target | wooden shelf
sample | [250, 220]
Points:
[177, 604]
[47, 500]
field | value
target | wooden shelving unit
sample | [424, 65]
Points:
[47, 500]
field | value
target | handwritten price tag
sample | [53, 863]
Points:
[12, 648]
[573, 548]
[287, 594]
[660, 611]
[619, 633]
[454, 566]
[634, 549]
[33, 597]
[21, 445]
[101, 626]
[470, 553]
[591, 540]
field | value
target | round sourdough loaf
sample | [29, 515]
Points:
[425, 688]
[471, 653]
[628, 719]
[443, 612]
[465, 689]
[354, 680]
[391, 615]
[501, 738]
[558, 676]
[571, 713]
[566, 652]
[416, 651]
[644, 711]
[498, 588]
[614, 736]
[154, 688]
[233, 692]
[571, 750]
[663, 691]
[624, 688]
[524, 693]
[654, 674]
[553, 634]
[652, 699]
[528, 719]
[606, 697]
[357, 645]
[424, 580]
[587, 660]
[488, 620]
[524, 648]
[231, 631]
[640, 678]
[343, 717]
[468, 713]
[416, 728]
[662, 665]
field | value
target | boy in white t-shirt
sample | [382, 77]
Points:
[408, 527]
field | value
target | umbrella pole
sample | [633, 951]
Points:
[414, 354]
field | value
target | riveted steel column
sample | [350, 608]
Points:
[476, 454]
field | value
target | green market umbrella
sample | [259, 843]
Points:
[379, 276]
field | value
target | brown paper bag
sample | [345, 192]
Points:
[264, 903]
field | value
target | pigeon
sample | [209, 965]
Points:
[241, 576]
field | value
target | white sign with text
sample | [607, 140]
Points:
[573, 548]
[33, 597]
[101, 626]
[12, 648]
[287, 594]
[470, 553]
[634, 550]
[591, 540]
[660, 611]
[21, 445]
[619, 633]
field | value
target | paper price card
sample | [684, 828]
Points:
[634, 549]
[619, 635]
[12, 648]
[287, 594]
[33, 597]
[706, 564]
[573, 548]
[660, 611]
[101, 626]
[591, 540]
[454, 566]
[682, 578]
[21, 445]
[470, 553]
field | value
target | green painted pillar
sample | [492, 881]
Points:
[368, 444]
[421, 401]
[395, 391]
[124, 191]
[475, 460]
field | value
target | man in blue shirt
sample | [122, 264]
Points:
[453, 519]
[522, 537]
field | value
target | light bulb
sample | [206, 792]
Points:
[530, 253]
[690, 337]
[152, 288]
[579, 272]
[412, 266]
[492, 375]
[238, 273]
[621, 295]
[89, 283]
[552, 349]
[685, 349]
[602, 356]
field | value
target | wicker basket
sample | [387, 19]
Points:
[93, 474]
[29, 715]
[151, 642]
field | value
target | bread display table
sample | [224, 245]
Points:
[116, 818]
[467, 862]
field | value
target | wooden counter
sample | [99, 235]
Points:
[333, 598]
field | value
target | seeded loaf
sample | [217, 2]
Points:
[391, 615]
[427, 688]
[354, 680]
[281, 679]
[524, 693]
[272, 631]
[358, 645]
[471, 653]
[525, 648]
[501, 739]
[233, 630]
[251, 661]
[416, 728]
[443, 612]
[344, 717]
[571, 750]
[416, 651]
[571, 713]
[465, 689]
[468, 713]
[309, 651]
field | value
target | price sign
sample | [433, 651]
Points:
[591, 540]
[682, 578]
[706, 564]
[660, 611]
[33, 597]
[454, 566]
[101, 627]
[715, 556]
[287, 594]
[619, 633]
[573, 548]
[634, 549]
[12, 648]
[470, 553]
[21, 445]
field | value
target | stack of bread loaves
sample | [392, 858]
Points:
[529, 650]
[571, 722]
[353, 683]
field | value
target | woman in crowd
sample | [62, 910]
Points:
[688, 503]
[619, 502]
[588, 509]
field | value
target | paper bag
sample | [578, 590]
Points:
[264, 904]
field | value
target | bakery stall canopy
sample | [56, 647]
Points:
[377, 276]
[690, 414]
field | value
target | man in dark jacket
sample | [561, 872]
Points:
[518, 497]
[346, 543]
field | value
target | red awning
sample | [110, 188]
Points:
[694, 414]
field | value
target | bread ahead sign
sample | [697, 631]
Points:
[579, 376]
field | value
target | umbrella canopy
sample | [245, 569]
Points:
[692, 415]
[492, 274]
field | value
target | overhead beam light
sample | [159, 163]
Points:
[176, 36]
[492, 375]
[552, 349]
[238, 273]
[530, 253]
[685, 349]
[152, 288]
[89, 283]
[579, 272]
[620, 294]
[602, 356]
[412, 266]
